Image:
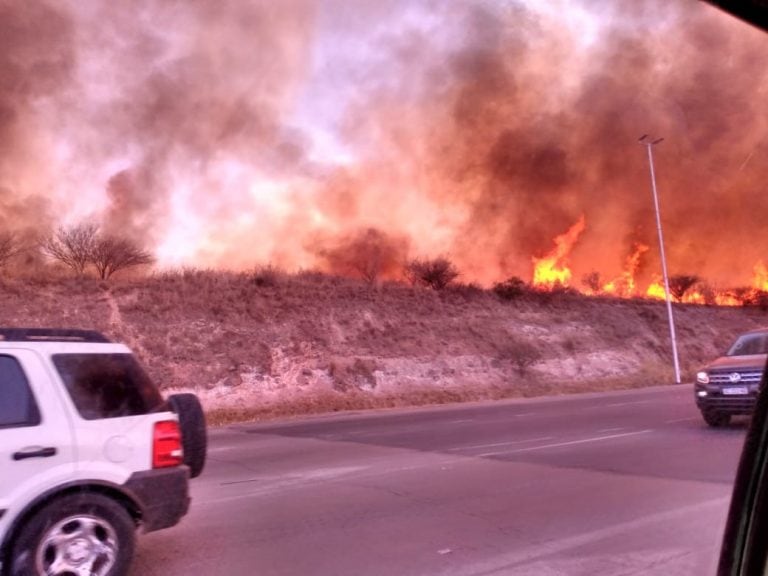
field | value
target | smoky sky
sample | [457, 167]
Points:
[234, 133]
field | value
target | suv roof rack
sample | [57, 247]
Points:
[51, 335]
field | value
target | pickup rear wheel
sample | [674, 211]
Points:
[81, 534]
[194, 438]
[716, 419]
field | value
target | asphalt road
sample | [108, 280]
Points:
[617, 483]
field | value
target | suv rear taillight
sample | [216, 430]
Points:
[166, 445]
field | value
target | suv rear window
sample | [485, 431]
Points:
[107, 385]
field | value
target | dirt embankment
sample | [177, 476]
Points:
[309, 342]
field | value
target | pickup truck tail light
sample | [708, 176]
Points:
[166, 445]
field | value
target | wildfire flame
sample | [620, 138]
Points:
[760, 277]
[552, 270]
[656, 290]
[624, 285]
[727, 299]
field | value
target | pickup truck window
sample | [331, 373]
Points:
[107, 385]
[17, 404]
[749, 344]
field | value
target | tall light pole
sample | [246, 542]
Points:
[649, 143]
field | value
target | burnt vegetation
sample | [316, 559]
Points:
[681, 284]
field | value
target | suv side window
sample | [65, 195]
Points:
[17, 404]
[107, 385]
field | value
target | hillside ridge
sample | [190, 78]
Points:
[312, 343]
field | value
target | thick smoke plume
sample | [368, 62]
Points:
[232, 133]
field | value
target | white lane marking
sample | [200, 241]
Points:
[223, 449]
[571, 443]
[616, 404]
[461, 421]
[254, 487]
[708, 510]
[603, 430]
[215, 494]
[510, 443]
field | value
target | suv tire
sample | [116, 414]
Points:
[72, 531]
[716, 419]
[194, 439]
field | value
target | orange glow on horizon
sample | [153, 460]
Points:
[760, 276]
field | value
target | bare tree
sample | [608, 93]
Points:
[436, 273]
[521, 353]
[111, 254]
[707, 293]
[368, 253]
[72, 246]
[680, 284]
[10, 246]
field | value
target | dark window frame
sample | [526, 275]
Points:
[34, 417]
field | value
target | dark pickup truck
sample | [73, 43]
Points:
[729, 385]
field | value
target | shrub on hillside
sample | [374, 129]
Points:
[348, 374]
[468, 291]
[435, 273]
[265, 276]
[511, 288]
[520, 353]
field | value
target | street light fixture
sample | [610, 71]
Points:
[649, 143]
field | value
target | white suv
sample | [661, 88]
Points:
[89, 451]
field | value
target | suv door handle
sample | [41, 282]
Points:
[35, 453]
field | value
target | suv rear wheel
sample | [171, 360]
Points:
[80, 534]
[716, 419]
